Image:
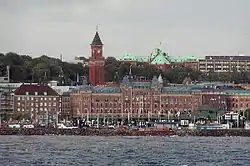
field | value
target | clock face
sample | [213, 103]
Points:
[99, 51]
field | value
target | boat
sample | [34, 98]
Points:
[154, 130]
[213, 126]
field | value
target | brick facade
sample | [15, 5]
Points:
[39, 102]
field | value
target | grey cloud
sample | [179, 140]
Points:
[194, 26]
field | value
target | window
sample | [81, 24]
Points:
[27, 93]
[45, 93]
[36, 93]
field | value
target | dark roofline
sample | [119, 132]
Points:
[96, 40]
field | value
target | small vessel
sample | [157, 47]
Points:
[155, 131]
[213, 126]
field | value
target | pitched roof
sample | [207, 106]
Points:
[159, 57]
[106, 89]
[97, 40]
[32, 88]
[132, 57]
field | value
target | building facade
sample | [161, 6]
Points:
[224, 64]
[137, 100]
[38, 102]
[6, 103]
[65, 113]
[134, 100]
[96, 62]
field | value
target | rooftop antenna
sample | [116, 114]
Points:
[97, 28]
[160, 46]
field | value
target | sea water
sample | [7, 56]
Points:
[127, 151]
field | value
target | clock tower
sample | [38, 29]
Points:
[96, 62]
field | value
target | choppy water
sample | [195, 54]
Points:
[76, 150]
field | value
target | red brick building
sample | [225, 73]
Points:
[133, 100]
[66, 113]
[40, 102]
[238, 101]
[96, 62]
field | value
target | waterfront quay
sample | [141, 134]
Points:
[125, 132]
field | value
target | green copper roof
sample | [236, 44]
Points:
[142, 59]
[159, 57]
[183, 58]
[132, 57]
[237, 92]
[129, 57]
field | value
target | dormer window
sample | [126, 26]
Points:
[36, 93]
[45, 93]
[27, 93]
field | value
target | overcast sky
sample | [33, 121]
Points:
[196, 27]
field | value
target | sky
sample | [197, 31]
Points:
[67, 27]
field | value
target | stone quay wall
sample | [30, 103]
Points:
[123, 132]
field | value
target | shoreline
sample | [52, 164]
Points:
[112, 132]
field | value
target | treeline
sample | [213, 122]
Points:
[115, 70]
[24, 68]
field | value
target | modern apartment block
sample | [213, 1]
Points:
[224, 63]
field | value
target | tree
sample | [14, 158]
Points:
[111, 69]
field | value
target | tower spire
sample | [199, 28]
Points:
[97, 40]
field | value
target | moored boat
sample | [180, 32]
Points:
[154, 130]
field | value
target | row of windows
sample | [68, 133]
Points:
[137, 111]
[35, 109]
[41, 104]
[37, 98]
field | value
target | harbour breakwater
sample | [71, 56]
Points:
[119, 132]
